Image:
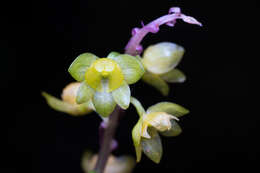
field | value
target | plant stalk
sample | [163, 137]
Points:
[108, 136]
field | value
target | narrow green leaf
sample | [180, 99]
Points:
[174, 76]
[168, 107]
[156, 82]
[84, 93]
[132, 68]
[138, 106]
[122, 96]
[79, 66]
[136, 136]
[152, 147]
[174, 131]
[104, 103]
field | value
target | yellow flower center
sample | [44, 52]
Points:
[103, 70]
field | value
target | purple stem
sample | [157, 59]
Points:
[109, 132]
[134, 48]
[102, 128]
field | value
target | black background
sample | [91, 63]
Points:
[40, 39]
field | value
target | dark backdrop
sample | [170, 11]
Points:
[41, 39]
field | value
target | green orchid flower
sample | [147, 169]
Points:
[68, 102]
[160, 61]
[106, 81]
[160, 118]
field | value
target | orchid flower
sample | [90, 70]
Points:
[68, 102]
[160, 118]
[105, 80]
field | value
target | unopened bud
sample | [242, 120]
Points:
[162, 57]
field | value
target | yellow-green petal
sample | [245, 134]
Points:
[161, 121]
[168, 107]
[84, 93]
[175, 129]
[121, 96]
[104, 103]
[152, 147]
[131, 67]
[174, 76]
[113, 54]
[79, 66]
[155, 81]
[136, 136]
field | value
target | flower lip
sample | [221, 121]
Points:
[104, 68]
[159, 120]
[104, 65]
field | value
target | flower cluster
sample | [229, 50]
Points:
[103, 83]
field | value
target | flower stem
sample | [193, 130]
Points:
[109, 133]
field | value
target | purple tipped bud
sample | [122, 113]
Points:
[135, 30]
[139, 49]
[174, 10]
[190, 20]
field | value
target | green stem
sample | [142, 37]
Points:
[109, 133]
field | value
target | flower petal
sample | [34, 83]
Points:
[156, 82]
[174, 131]
[162, 57]
[122, 96]
[131, 67]
[168, 107]
[152, 147]
[158, 120]
[69, 93]
[79, 66]
[115, 79]
[85, 93]
[174, 76]
[136, 136]
[93, 78]
[104, 103]
[62, 106]
[113, 54]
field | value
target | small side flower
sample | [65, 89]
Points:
[160, 118]
[68, 102]
[160, 61]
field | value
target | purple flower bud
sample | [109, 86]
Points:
[139, 49]
[135, 30]
[190, 20]
[174, 10]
